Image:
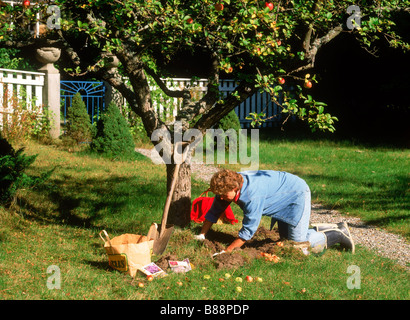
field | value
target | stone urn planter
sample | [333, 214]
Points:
[47, 56]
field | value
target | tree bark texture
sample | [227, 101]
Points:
[180, 208]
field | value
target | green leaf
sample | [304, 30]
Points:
[308, 100]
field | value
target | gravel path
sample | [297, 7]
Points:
[387, 244]
[383, 243]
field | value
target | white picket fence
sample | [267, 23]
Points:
[168, 107]
[18, 86]
[259, 102]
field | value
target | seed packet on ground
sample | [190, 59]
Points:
[153, 269]
[180, 266]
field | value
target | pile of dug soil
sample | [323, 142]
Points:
[264, 241]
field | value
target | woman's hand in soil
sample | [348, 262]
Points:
[237, 243]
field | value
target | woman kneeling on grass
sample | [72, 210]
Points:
[280, 195]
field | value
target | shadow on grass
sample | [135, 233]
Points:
[111, 203]
[221, 237]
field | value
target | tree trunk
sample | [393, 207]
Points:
[180, 208]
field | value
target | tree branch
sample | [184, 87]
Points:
[218, 111]
[163, 86]
[319, 42]
[306, 41]
[315, 46]
[141, 103]
[190, 109]
[114, 78]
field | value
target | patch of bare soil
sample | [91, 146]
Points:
[264, 241]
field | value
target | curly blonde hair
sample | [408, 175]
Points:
[224, 181]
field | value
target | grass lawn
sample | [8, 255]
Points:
[58, 224]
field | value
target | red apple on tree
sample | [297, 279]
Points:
[308, 84]
[281, 80]
[189, 20]
[26, 3]
[219, 7]
[269, 5]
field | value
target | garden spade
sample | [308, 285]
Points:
[162, 233]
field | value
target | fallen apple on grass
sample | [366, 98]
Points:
[258, 279]
[150, 277]
[238, 289]
[249, 278]
[141, 284]
[238, 279]
[270, 257]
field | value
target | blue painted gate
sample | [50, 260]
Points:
[92, 93]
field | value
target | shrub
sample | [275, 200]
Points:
[9, 59]
[230, 121]
[79, 126]
[113, 136]
[27, 120]
[12, 176]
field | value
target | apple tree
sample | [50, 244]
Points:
[262, 45]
